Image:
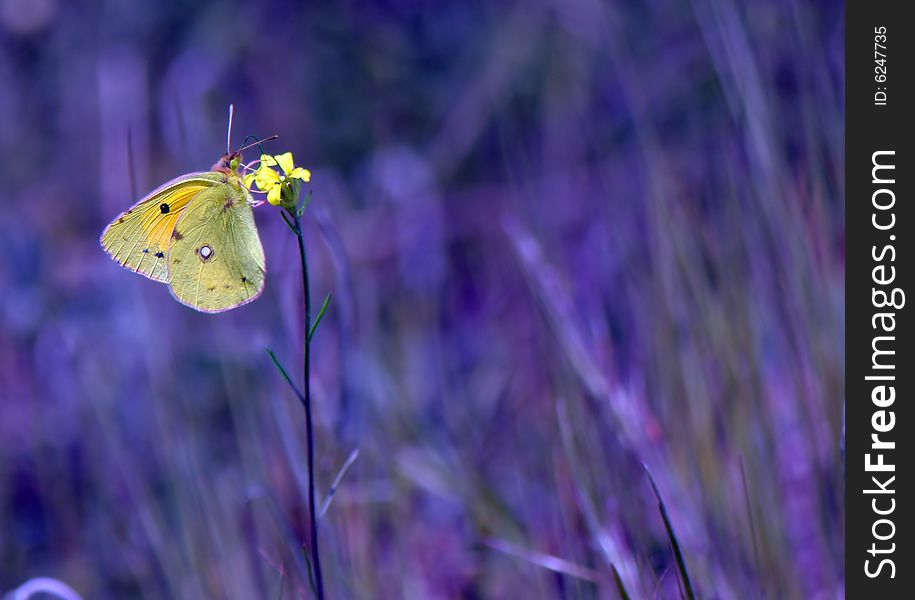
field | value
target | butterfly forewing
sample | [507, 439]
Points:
[139, 238]
[215, 259]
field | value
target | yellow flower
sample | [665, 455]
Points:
[268, 180]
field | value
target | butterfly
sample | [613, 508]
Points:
[197, 234]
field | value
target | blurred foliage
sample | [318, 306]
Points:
[563, 237]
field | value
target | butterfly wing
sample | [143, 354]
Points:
[215, 260]
[139, 238]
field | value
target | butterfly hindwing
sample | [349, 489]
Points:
[138, 239]
[215, 260]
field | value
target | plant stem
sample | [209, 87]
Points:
[312, 515]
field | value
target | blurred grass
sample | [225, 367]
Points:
[564, 239]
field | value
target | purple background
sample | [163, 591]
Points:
[564, 237]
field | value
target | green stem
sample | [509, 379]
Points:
[312, 515]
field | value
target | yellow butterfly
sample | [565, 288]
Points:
[197, 234]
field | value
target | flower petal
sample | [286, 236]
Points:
[273, 196]
[266, 177]
[267, 160]
[249, 179]
[300, 173]
[285, 161]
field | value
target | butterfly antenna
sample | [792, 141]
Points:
[229, 130]
[256, 142]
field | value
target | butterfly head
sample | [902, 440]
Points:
[228, 163]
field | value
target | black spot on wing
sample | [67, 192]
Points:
[164, 207]
[160, 255]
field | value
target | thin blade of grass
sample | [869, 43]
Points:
[675, 545]
[285, 375]
[289, 223]
[319, 316]
[333, 487]
[305, 202]
[311, 571]
[547, 561]
[619, 583]
[611, 548]
[746, 496]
